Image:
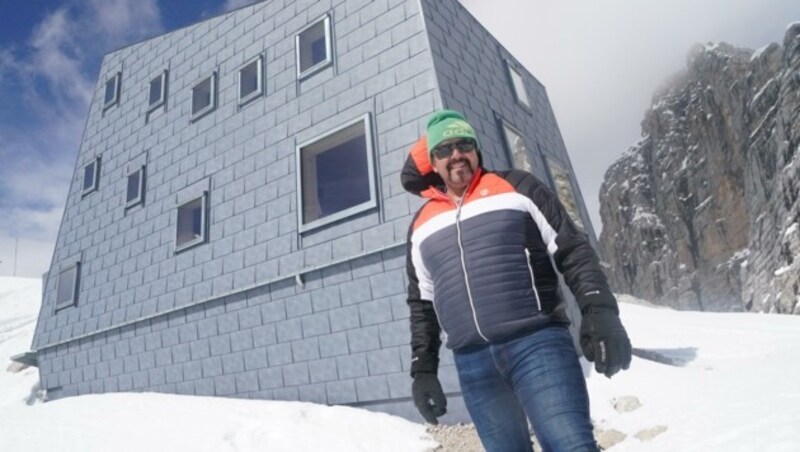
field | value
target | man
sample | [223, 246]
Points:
[480, 267]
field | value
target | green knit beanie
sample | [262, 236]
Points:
[446, 124]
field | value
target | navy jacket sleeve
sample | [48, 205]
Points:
[572, 253]
[425, 329]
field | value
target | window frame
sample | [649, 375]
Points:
[351, 211]
[302, 74]
[505, 125]
[511, 71]
[203, 197]
[116, 78]
[163, 100]
[73, 300]
[95, 177]
[259, 60]
[140, 196]
[194, 116]
[571, 204]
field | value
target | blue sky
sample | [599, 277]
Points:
[599, 60]
[50, 54]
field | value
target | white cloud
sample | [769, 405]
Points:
[33, 184]
[126, 21]
[72, 37]
[51, 79]
[33, 196]
[7, 65]
[55, 58]
[33, 191]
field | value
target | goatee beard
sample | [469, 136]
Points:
[467, 164]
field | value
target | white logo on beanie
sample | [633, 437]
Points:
[458, 128]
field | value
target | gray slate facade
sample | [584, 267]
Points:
[260, 308]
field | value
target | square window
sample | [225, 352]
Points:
[157, 92]
[519, 86]
[90, 175]
[191, 224]
[516, 148]
[563, 188]
[313, 47]
[337, 178]
[135, 192]
[204, 96]
[250, 80]
[111, 96]
[67, 286]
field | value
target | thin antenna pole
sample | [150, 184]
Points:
[16, 247]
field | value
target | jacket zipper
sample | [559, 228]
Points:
[464, 268]
[533, 280]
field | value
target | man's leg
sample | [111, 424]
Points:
[548, 380]
[498, 416]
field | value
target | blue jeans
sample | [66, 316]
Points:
[537, 375]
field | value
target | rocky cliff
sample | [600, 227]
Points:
[702, 213]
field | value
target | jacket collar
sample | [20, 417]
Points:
[437, 192]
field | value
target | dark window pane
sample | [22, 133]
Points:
[133, 187]
[197, 222]
[88, 176]
[318, 51]
[66, 286]
[190, 222]
[111, 90]
[201, 96]
[335, 173]
[342, 176]
[248, 79]
[156, 94]
[313, 47]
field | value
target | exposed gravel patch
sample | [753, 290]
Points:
[464, 437]
[461, 438]
[457, 437]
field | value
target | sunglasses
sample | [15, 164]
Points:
[444, 151]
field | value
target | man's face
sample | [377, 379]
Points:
[458, 168]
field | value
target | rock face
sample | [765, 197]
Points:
[702, 213]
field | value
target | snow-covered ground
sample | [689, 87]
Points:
[152, 422]
[737, 391]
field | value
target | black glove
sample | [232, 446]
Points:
[428, 396]
[604, 341]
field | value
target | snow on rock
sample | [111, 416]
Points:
[761, 51]
[718, 169]
[607, 439]
[704, 203]
[626, 404]
[643, 217]
[782, 270]
[650, 433]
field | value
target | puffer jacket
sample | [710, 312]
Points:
[482, 269]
